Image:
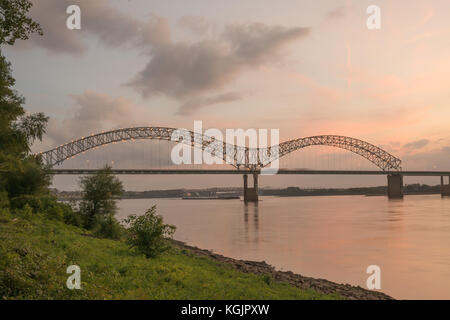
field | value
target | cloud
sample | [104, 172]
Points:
[192, 73]
[51, 15]
[257, 43]
[93, 113]
[434, 159]
[98, 18]
[196, 24]
[193, 105]
[419, 144]
[339, 12]
[187, 70]
[96, 112]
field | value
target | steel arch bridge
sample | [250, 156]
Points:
[237, 156]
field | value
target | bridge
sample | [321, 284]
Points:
[245, 160]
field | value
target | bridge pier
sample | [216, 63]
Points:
[445, 189]
[251, 194]
[395, 186]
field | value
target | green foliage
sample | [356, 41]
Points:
[49, 206]
[35, 253]
[11, 106]
[267, 279]
[27, 177]
[31, 201]
[4, 200]
[148, 233]
[22, 177]
[26, 212]
[5, 216]
[55, 213]
[107, 227]
[18, 129]
[14, 22]
[72, 217]
[20, 173]
[56, 210]
[100, 192]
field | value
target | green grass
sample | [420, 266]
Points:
[35, 253]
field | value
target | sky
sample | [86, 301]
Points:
[303, 67]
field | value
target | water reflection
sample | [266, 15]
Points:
[254, 208]
[395, 209]
[335, 238]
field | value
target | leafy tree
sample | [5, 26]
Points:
[100, 192]
[14, 22]
[20, 172]
[18, 130]
[108, 227]
[148, 233]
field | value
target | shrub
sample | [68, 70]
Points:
[34, 202]
[4, 200]
[48, 201]
[26, 212]
[73, 218]
[107, 227]
[55, 213]
[68, 214]
[5, 215]
[100, 192]
[60, 211]
[267, 279]
[148, 233]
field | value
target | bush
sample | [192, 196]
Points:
[100, 192]
[60, 211]
[48, 201]
[55, 213]
[148, 233]
[4, 200]
[64, 212]
[33, 202]
[5, 215]
[26, 212]
[73, 218]
[107, 227]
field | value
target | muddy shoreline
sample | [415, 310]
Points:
[262, 268]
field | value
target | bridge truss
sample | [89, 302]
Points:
[237, 156]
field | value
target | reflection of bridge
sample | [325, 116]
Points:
[246, 160]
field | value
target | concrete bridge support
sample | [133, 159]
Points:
[395, 186]
[251, 194]
[445, 189]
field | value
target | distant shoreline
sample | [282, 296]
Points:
[413, 189]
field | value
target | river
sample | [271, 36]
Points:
[334, 238]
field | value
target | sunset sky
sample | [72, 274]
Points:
[304, 67]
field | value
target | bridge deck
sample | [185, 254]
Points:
[234, 171]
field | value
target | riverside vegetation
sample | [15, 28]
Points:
[36, 249]
[40, 237]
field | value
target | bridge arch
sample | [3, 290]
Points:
[250, 158]
[374, 154]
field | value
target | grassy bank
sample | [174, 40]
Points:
[35, 253]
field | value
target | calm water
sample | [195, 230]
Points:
[335, 238]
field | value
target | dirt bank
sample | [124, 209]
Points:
[320, 285]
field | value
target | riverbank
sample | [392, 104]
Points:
[323, 286]
[35, 253]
